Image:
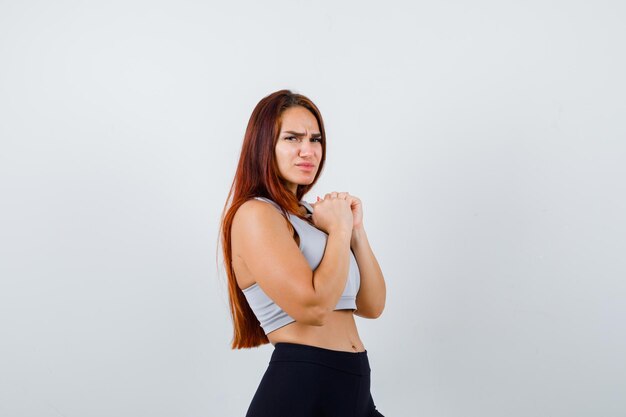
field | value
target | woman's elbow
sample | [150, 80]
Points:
[312, 316]
[370, 313]
[378, 313]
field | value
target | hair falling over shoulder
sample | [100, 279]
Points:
[257, 176]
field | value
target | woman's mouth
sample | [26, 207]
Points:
[306, 167]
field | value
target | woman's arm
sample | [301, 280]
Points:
[370, 300]
[262, 240]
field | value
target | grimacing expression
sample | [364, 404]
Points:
[298, 148]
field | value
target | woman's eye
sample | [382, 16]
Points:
[293, 137]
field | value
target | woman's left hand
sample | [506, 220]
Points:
[357, 211]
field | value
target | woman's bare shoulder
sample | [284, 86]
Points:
[255, 208]
[255, 217]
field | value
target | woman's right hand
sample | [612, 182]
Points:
[333, 213]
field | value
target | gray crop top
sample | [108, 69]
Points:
[312, 245]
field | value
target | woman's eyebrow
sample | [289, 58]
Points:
[301, 134]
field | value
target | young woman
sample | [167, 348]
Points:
[298, 272]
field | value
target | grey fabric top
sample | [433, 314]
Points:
[312, 245]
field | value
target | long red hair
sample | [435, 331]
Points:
[257, 175]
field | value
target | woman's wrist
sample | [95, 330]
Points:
[358, 235]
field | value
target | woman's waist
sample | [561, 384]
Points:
[295, 353]
[339, 332]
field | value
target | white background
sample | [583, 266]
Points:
[486, 140]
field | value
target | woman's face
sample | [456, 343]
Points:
[299, 147]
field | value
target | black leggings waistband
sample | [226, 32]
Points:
[356, 363]
[310, 381]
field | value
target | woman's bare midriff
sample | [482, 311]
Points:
[339, 332]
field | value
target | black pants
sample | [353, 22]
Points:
[309, 381]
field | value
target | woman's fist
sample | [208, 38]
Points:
[333, 213]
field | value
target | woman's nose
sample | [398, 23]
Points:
[306, 147]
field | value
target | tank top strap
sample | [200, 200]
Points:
[275, 204]
[303, 202]
[307, 205]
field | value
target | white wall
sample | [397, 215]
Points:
[485, 139]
